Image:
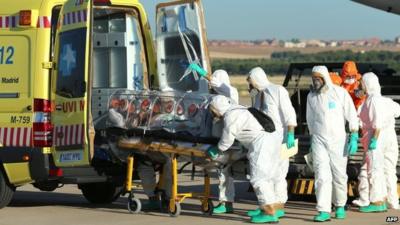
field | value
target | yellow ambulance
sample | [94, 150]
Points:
[59, 62]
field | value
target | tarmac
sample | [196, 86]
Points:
[67, 206]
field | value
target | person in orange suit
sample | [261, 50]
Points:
[336, 79]
[351, 81]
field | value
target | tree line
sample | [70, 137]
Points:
[279, 62]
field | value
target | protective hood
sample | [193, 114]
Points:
[323, 71]
[335, 78]
[371, 84]
[259, 78]
[222, 76]
[221, 104]
[350, 69]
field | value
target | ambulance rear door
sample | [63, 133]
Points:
[71, 85]
[181, 40]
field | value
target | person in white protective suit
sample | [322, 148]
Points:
[328, 108]
[262, 154]
[274, 101]
[221, 84]
[378, 178]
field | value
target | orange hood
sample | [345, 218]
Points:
[335, 78]
[350, 69]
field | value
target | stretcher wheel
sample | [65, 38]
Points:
[208, 208]
[177, 211]
[134, 205]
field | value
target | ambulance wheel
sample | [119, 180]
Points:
[134, 205]
[100, 193]
[177, 211]
[208, 208]
[6, 191]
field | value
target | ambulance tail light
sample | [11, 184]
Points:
[42, 127]
[25, 17]
[28, 18]
[56, 172]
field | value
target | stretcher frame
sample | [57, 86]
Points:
[174, 205]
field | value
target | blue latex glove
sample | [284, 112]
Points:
[213, 152]
[290, 140]
[353, 143]
[202, 72]
[372, 143]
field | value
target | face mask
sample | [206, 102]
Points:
[349, 81]
[317, 85]
[252, 91]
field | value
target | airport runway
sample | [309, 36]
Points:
[66, 206]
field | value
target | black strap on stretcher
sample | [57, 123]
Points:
[162, 135]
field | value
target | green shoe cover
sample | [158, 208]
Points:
[264, 218]
[322, 217]
[223, 208]
[340, 213]
[373, 208]
[255, 212]
[280, 213]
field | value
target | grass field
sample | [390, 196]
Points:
[257, 52]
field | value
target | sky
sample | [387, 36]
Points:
[287, 19]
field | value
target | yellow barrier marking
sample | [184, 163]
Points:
[303, 186]
[310, 187]
[351, 192]
[294, 189]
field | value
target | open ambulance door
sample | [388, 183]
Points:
[181, 40]
[71, 116]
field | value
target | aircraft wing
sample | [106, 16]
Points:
[392, 6]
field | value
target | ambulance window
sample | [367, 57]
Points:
[54, 19]
[71, 71]
[118, 53]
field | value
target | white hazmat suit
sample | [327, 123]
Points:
[276, 103]
[221, 84]
[378, 178]
[327, 112]
[262, 154]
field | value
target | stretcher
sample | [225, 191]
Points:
[174, 205]
[184, 151]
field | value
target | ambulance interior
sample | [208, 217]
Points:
[119, 59]
[121, 96]
[122, 103]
